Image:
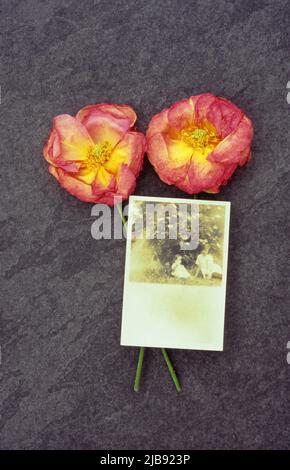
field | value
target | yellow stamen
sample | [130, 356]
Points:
[98, 154]
[199, 138]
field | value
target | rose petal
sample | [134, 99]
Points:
[233, 148]
[158, 124]
[203, 175]
[214, 190]
[130, 151]
[104, 187]
[104, 180]
[51, 149]
[224, 116]
[75, 187]
[106, 122]
[245, 156]
[119, 112]
[202, 104]
[73, 140]
[228, 172]
[51, 152]
[87, 175]
[126, 182]
[170, 158]
[181, 114]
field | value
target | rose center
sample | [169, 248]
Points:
[199, 138]
[98, 154]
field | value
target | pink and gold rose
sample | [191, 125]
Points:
[198, 143]
[96, 154]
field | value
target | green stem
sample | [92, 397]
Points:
[171, 370]
[139, 369]
[142, 349]
[120, 210]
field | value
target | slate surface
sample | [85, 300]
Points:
[65, 381]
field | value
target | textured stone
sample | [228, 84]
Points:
[65, 380]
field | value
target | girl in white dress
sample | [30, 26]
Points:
[178, 270]
[206, 265]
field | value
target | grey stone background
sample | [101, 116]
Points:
[65, 380]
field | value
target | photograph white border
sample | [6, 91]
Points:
[127, 334]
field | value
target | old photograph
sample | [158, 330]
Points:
[175, 273]
[167, 256]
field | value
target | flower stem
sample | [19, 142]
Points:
[139, 369]
[142, 349]
[171, 370]
[120, 210]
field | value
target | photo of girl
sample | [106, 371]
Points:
[206, 265]
[178, 270]
[164, 260]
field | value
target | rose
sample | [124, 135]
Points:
[198, 143]
[97, 154]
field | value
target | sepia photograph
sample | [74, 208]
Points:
[175, 273]
[176, 260]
